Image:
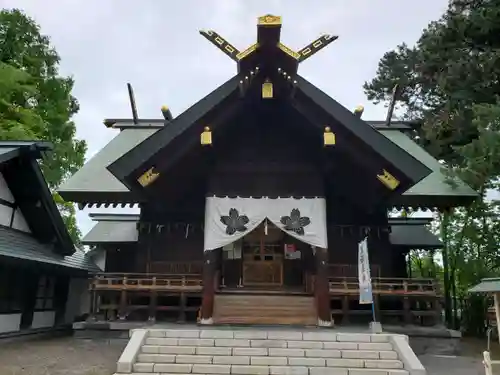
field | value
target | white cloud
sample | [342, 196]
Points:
[156, 46]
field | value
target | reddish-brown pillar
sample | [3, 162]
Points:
[321, 288]
[207, 303]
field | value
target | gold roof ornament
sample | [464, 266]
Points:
[148, 177]
[269, 20]
[328, 137]
[358, 111]
[206, 137]
[167, 115]
[267, 89]
[388, 180]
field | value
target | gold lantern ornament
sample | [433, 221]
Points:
[328, 137]
[267, 89]
[206, 137]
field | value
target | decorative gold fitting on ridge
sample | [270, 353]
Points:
[388, 180]
[269, 20]
[267, 89]
[206, 137]
[328, 137]
[148, 177]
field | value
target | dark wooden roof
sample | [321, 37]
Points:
[270, 60]
[20, 169]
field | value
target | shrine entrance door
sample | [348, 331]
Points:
[263, 257]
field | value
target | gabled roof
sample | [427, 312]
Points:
[433, 190]
[491, 285]
[135, 159]
[20, 169]
[112, 229]
[347, 126]
[272, 62]
[15, 244]
[93, 183]
[414, 237]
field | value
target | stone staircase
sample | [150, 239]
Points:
[266, 352]
[264, 309]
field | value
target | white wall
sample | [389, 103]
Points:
[5, 192]
[43, 319]
[78, 302]
[99, 258]
[10, 322]
[18, 221]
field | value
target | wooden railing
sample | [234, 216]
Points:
[146, 282]
[386, 286]
[350, 270]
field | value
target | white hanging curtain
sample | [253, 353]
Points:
[365, 281]
[304, 219]
[229, 219]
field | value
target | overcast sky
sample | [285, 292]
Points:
[155, 45]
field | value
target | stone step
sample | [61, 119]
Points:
[299, 344]
[283, 370]
[251, 334]
[269, 352]
[270, 361]
[261, 352]
[261, 369]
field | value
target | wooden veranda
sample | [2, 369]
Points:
[147, 295]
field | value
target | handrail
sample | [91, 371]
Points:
[158, 282]
[385, 285]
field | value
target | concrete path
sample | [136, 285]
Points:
[452, 365]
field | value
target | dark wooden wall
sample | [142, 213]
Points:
[264, 154]
[123, 258]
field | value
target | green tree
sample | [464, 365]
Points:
[36, 102]
[449, 86]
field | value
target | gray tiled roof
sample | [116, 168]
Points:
[94, 176]
[414, 236]
[435, 183]
[112, 232]
[487, 286]
[16, 244]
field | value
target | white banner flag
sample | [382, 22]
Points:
[365, 281]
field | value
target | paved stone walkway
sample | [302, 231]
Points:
[61, 356]
[69, 356]
[449, 365]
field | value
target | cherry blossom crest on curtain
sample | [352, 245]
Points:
[229, 219]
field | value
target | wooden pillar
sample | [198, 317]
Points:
[207, 303]
[182, 307]
[407, 310]
[92, 305]
[376, 307]
[122, 312]
[345, 309]
[153, 303]
[321, 288]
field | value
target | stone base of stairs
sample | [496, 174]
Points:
[266, 352]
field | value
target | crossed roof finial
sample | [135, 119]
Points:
[268, 34]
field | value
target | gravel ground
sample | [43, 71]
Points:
[70, 356]
[60, 356]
